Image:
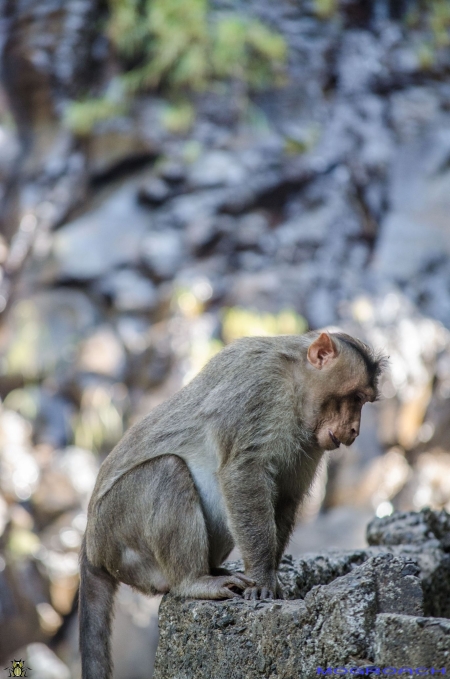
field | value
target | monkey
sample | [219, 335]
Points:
[225, 461]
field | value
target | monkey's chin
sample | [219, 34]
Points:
[334, 440]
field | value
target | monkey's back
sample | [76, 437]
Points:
[233, 404]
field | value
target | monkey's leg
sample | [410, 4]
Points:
[249, 491]
[160, 535]
[184, 559]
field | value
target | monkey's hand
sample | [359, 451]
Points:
[214, 586]
[271, 590]
[230, 585]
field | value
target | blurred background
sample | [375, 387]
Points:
[175, 174]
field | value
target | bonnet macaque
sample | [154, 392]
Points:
[226, 461]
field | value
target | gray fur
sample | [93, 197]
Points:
[226, 460]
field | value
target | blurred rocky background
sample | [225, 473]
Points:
[174, 175]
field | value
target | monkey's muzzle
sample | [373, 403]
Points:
[335, 440]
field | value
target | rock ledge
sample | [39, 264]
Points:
[385, 606]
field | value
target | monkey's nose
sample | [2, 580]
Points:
[354, 432]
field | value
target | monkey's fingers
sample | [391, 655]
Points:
[248, 582]
[255, 593]
[239, 581]
[225, 593]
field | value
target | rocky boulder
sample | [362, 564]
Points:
[347, 611]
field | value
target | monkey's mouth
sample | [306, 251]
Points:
[335, 440]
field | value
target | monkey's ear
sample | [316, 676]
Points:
[322, 350]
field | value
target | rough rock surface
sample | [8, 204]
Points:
[342, 609]
[413, 641]
[423, 536]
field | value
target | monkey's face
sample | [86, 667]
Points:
[339, 384]
[339, 417]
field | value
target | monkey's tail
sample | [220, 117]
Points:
[97, 590]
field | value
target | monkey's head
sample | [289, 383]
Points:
[342, 376]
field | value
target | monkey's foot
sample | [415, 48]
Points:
[255, 593]
[215, 587]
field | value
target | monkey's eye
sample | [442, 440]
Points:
[360, 398]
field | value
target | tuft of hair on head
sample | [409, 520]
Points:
[375, 362]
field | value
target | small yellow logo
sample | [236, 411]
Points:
[17, 669]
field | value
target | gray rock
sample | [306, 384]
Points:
[154, 191]
[423, 536]
[44, 663]
[134, 333]
[411, 641]
[251, 229]
[333, 625]
[320, 307]
[106, 237]
[300, 576]
[162, 253]
[397, 583]
[102, 353]
[172, 171]
[116, 142]
[395, 590]
[129, 291]
[54, 418]
[202, 234]
[344, 613]
[416, 227]
[343, 609]
[360, 62]
[311, 227]
[408, 528]
[412, 110]
[186, 208]
[216, 168]
[251, 261]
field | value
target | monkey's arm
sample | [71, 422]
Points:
[249, 490]
[285, 514]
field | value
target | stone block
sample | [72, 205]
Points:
[412, 641]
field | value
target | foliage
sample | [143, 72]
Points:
[426, 55]
[23, 542]
[81, 116]
[32, 353]
[178, 118]
[325, 9]
[238, 322]
[7, 121]
[304, 142]
[190, 304]
[98, 424]
[433, 18]
[182, 47]
[23, 401]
